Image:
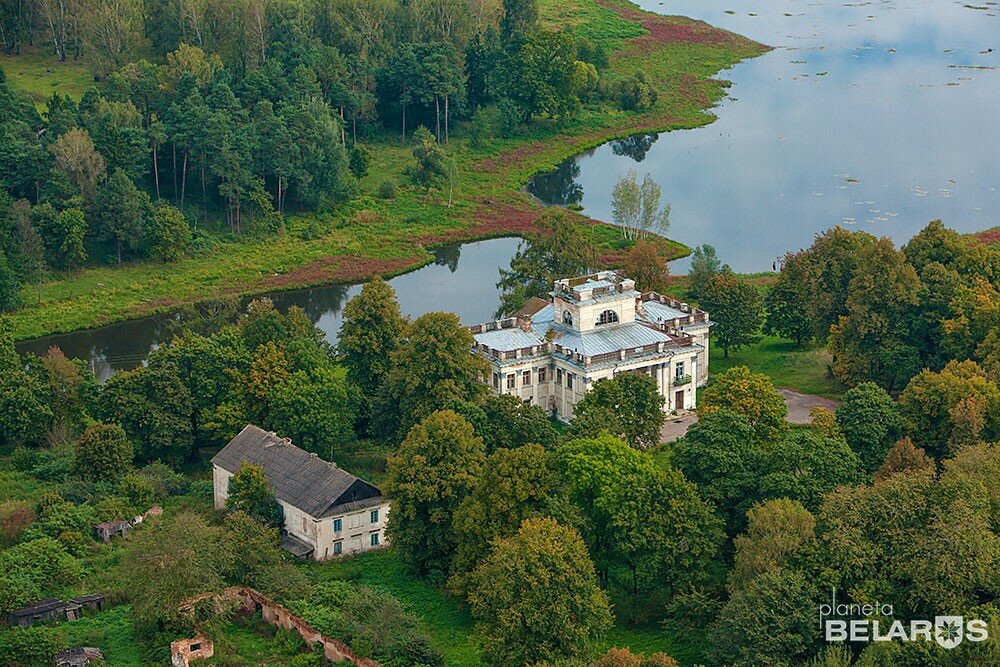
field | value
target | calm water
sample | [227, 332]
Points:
[462, 279]
[876, 115]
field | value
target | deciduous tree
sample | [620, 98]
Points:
[436, 467]
[644, 264]
[562, 247]
[371, 331]
[432, 368]
[76, 156]
[514, 486]
[103, 453]
[750, 394]
[737, 309]
[250, 493]
[629, 406]
[870, 421]
[536, 597]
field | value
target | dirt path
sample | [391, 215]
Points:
[798, 406]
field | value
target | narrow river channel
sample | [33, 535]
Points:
[462, 280]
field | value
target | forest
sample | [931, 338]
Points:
[213, 116]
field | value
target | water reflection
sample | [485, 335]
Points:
[559, 187]
[635, 146]
[461, 279]
[874, 115]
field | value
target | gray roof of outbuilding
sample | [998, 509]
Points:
[297, 477]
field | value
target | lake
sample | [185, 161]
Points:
[461, 279]
[878, 116]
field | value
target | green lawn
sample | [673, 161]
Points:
[393, 236]
[448, 622]
[803, 370]
[38, 73]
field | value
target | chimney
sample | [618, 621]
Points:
[524, 322]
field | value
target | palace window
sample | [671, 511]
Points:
[679, 369]
[569, 380]
[374, 516]
[338, 525]
[559, 375]
[525, 378]
[374, 539]
[608, 317]
[511, 380]
[338, 547]
[496, 380]
[541, 374]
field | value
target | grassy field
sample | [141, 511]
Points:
[448, 621]
[801, 369]
[38, 73]
[369, 236]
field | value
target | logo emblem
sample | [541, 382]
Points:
[949, 630]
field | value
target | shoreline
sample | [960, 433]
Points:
[489, 202]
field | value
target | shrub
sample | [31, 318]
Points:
[360, 158]
[387, 189]
[165, 480]
[367, 216]
[30, 646]
[15, 516]
[637, 93]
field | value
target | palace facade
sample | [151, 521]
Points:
[591, 328]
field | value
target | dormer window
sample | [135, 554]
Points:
[607, 317]
[567, 318]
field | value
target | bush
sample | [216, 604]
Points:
[387, 189]
[25, 647]
[360, 158]
[15, 516]
[483, 128]
[637, 93]
[367, 216]
[165, 480]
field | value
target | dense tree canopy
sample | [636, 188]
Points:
[436, 467]
[629, 406]
[536, 596]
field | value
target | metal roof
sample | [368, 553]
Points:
[608, 338]
[513, 338]
[297, 477]
[657, 312]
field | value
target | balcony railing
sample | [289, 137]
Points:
[681, 380]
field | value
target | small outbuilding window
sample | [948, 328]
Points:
[607, 317]
[567, 317]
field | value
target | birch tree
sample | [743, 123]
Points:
[635, 207]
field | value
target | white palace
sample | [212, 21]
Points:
[594, 327]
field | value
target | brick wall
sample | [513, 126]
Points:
[249, 600]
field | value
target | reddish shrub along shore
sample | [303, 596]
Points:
[664, 29]
[987, 237]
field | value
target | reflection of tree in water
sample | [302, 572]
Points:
[315, 302]
[448, 256]
[635, 146]
[559, 187]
